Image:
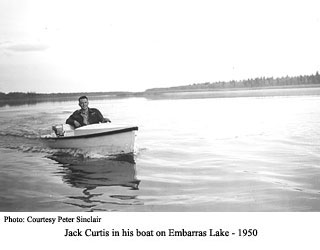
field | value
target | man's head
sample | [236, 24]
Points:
[83, 102]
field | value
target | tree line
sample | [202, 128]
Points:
[32, 97]
[261, 82]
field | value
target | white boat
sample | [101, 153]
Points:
[102, 138]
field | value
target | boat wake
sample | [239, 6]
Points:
[33, 144]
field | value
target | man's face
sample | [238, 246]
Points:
[83, 103]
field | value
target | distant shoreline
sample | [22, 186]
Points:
[245, 92]
[249, 87]
[292, 90]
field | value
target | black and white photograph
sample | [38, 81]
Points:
[182, 107]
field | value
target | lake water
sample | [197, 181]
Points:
[201, 154]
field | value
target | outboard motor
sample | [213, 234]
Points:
[61, 129]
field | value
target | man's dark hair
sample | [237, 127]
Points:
[82, 97]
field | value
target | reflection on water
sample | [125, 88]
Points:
[95, 176]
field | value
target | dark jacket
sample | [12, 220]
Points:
[94, 117]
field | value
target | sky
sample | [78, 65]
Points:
[50, 46]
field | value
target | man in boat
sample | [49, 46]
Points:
[85, 115]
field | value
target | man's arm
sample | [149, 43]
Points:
[106, 120]
[101, 118]
[72, 120]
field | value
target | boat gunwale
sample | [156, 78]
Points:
[117, 131]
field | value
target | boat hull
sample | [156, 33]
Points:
[103, 141]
